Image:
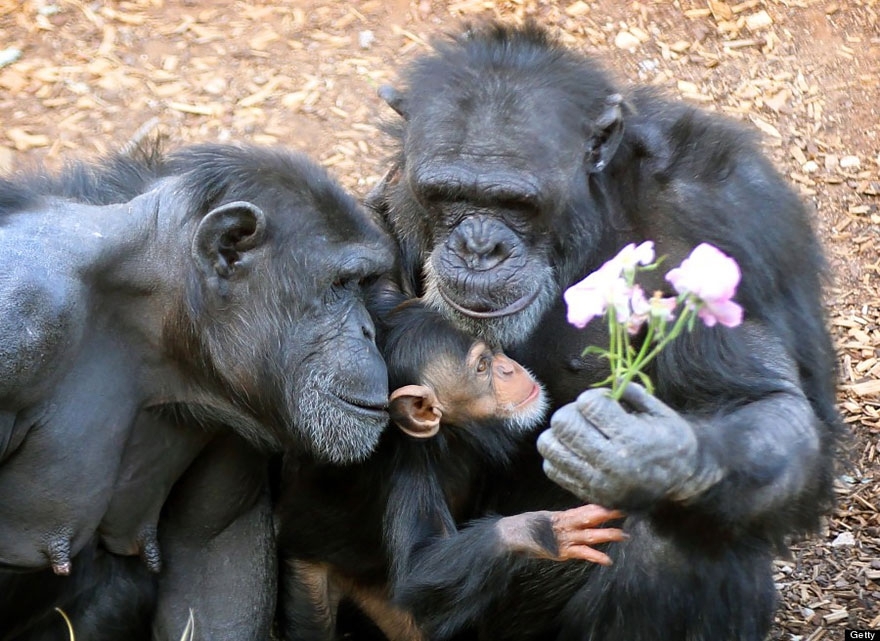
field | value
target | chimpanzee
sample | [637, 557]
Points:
[165, 320]
[520, 168]
[459, 409]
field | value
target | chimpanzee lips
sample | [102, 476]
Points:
[532, 395]
[508, 310]
[372, 407]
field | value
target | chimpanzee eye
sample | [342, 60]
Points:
[341, 285]
[367, 281]
[483, 364]
[355, 282]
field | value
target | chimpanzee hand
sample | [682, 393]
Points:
[624, 458]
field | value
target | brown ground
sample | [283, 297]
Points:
[305, 72]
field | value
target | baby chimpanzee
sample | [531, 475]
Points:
[460, 409]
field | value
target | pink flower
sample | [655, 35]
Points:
[644, 308]
[630, 256]
[663, 308]
[595, 293]
[711, 277]
[640, 309]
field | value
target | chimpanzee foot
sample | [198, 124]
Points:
[562, 535]
[577, 529]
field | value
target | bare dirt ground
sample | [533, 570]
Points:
[80, 78]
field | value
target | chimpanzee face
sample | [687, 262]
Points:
[449, 380]
[339, 391]
[492, 184]
[489, 198]
[279, 302]
[488, 388]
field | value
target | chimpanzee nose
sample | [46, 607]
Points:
[503, 368]
[481, 243]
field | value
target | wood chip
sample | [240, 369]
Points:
[836, 615]
[263, 94]
[200, 110]
[765, 126]
[745, 42]
[578, 8]
[24, 140]
[868, 388]
[720, 10]
[779, 100]
[626, 40]
[758, 21]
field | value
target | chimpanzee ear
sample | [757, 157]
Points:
[225, 234]
[395, 99]
[607, 133]
[377, 198]
[415, 410]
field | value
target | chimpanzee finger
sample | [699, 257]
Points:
[585, 516]
[576, 430]
[599, 410]
[641, 401]
[579, 484]
[584, 553]
[585, 454]
[591, 536]
[575, 463]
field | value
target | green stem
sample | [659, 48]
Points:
[643, 359]
[612, 337]
[622, 356]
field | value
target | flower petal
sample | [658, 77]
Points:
[707, 273]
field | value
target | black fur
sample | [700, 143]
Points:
[108, 597]
[499, 126]
[371, 521]
[146, 391]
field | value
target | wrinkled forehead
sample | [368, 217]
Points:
[330, 255]
[453, 359]
[538, 127]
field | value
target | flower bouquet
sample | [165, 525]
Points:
[706, 283]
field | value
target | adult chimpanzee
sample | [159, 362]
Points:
[159, 315]
[460, 410]
[520, 169]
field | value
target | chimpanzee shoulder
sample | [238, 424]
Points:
[706, 180]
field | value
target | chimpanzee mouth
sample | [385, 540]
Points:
[508, 310]
[536, 391]
[369, 407]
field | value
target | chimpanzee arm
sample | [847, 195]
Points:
[749, 461]
[453, 581]
[458, 577]
[216, 535]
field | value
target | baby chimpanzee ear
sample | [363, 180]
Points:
[415, 410]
